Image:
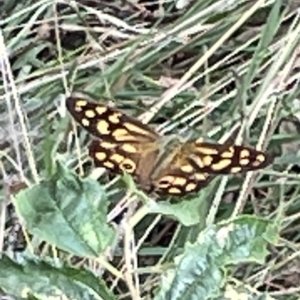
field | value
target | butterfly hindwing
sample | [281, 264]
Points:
[133, 158]
[112, 156]
[179, 177]
[178, 183]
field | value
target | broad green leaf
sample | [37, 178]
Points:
[187, 212]
[200, 269]
[68, 212]
[44, 281]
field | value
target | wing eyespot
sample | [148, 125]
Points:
[163, 184]
[165, 181]
[128, 166]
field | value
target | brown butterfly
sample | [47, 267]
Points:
[161, 164]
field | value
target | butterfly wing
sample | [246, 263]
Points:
[124, 144]
[195, 164]
[225, 159]
[178, 183]
[107, 123]
[133, 158]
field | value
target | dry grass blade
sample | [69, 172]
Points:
[171, 66]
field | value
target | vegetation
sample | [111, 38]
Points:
[213, 69]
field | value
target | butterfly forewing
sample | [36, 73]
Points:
[217, 159]
[108, 123]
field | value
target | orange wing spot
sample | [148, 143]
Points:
[128, 148]
[117, 158]
[179, 181]
[261, 158]
[79, 104]
[207, 160]
[174, 190]
[187, 169]
[115, 117]
[198, 160]
[85, 122]
[244, 161]
[90, 114]
[222, 164]
[166, 181]
[120, 133]
[108, 165]
[107, 145]
[257, 163]
[228, 154]
[244, 153]
[100, 156]
[103, 127]
[78, 109]
[190, 187]
[236, 170]
[101, 110]
[135, 128]
[207, 150]
[201, 176]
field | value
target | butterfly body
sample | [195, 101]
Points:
[165, 165]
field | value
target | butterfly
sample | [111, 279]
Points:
[164, 165]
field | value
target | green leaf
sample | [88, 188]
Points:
[41, 280]
[200, 269]
[187, 212]
[67, 212]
